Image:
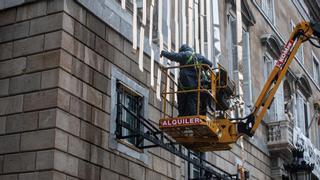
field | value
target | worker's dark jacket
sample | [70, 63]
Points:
[188, 76]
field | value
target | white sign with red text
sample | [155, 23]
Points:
[180, 121]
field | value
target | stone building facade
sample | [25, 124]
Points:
[66, 64]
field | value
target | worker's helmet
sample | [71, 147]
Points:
[185, 47]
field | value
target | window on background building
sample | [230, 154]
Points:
[302, 113]
[193, 170]
[128, 113]
[234, 68]
[268, 66]
[232, 47]
[268, 9]
[232, 53]
[128, 5]
[299, 54]
[247, 89]
[316, 70]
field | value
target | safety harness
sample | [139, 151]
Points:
[203, 73]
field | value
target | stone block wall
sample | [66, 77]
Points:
[55, 100]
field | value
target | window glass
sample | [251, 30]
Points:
[129, 112]
[268, 66]
[268, 9]
[194, 171]
[302, 113]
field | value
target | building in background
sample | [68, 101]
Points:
[71, 77]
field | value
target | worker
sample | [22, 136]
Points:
[188, 79]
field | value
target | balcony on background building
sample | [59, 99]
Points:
[280, 137]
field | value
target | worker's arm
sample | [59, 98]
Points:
[180, 57]
[203, 60]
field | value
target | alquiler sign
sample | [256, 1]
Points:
[180, 121]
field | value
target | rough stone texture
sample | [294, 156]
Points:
[79, 147]
[25, 83]
[47, 175]
[82, 71]
[101, 82]
[61, 140]
[22, 122]
[100, 119]
[107, 174]
[94, 60]
[80, 109]
[68, 23]
[40, 100]
[11, 104]
[66, 61]
[70, 7]
[70, 83]
[49, 79]
[95, 25]
[9, 143]
[31, 11]
[106, 103]
[66, 163]
[68, 122]
[35, 140]
[100, 156]
[1, 164]
[47, 118]
[53, 40]
[12, 67]
[104, 48]
[6, 50]
[43, 61]
[8, 17]
[84, 35]
[52, 175]
[120, 165]
[41, 25]
[19, 162]
[136, 171]
[22, 47]
[4, 84]
[78, 49]
[2, 126]
[15, 31]
[92, 96]
[63, 100]
[45, 159]
[67, 42]
[9, 177]
[90, 133]
[114, 38]
[88, 171]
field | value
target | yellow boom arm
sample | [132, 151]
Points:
[301, 33]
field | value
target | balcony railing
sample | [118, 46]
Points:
[283, 137]
[280, 136]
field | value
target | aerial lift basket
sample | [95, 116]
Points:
[198, 132]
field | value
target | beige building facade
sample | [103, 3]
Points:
[74, 103]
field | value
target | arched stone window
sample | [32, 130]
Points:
[272, 47]
[303, 93]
